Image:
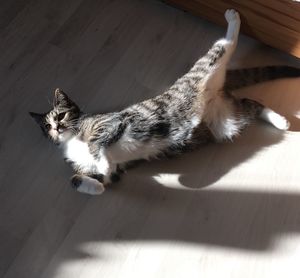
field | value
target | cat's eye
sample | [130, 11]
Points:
[61, 116]
[47, 126]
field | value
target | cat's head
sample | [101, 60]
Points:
[61, 121]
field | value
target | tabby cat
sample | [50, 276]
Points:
[196, 109]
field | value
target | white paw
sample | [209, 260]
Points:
[90, 186]
[232, 15]
[282, 123]
[275, 119]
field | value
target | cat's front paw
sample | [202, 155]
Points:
[114, 177]
[232, 15]
[87, 185]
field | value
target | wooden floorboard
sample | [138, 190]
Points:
[229, 209]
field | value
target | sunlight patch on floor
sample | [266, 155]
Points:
[169, 180]
[145, 259]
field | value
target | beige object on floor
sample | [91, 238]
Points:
[227, 210]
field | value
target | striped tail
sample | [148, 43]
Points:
[239, 78]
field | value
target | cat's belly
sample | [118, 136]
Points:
[127, 149]
[78, 152]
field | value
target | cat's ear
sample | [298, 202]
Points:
[39, 118]
[60, 98]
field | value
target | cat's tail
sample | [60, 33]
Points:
[251, 109]
[239, 78]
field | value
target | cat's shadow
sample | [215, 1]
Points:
[210, 162]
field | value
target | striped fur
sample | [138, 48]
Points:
[196, 109]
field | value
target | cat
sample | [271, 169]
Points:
[198, 108]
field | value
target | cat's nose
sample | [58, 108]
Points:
[60, 129]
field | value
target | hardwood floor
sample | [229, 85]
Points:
[230, 210]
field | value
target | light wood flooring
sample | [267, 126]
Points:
[227, 210]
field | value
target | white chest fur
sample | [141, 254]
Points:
[78, 152]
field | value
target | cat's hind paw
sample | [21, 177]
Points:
[232, 15]
[87, 185]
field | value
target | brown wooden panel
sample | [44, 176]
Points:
[274, 22]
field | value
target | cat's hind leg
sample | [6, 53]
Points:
[211, 68]
[87, 185]
[218, 110]
[233, 28]
[222, 51]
